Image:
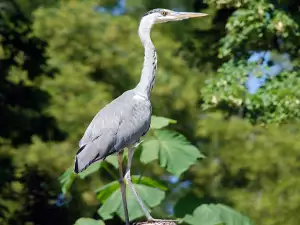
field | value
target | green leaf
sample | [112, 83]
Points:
[113, 205]
[204, 215]
[91, 169]
[160, 122]
[66, 180]
[113, 160]
[149, 151]
[109, 195]
[88, 221]
[65, 176]
[187, 204]
[110, 206]
[107, 190]
[216, 214]
[173, 150]
[232, 217]
[147, 181]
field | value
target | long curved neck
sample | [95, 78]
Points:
[147, 80]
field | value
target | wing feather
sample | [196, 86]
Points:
[117, 125]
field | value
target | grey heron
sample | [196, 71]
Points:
[122, 123]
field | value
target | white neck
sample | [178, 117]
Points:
[147, 80]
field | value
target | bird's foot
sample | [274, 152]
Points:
[162, 220]
[159, 222]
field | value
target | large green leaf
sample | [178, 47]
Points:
[216, 214]
[65, 176]
[113, 160]
[151, 197]
[149, 151]
[110, 195]
[91, 169]
[172, 149]
[88, 221]
[105, 191]
[66, 180]
[147, 181]
[160, 122]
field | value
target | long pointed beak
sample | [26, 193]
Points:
[187, 15]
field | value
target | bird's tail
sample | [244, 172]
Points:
[85, 156]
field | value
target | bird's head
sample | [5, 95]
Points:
[166, 15]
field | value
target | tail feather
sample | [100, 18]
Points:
[86, 155]
[94, 151]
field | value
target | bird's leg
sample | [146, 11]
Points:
[123, 187]
[129, 182]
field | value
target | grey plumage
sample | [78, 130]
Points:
[116, 126]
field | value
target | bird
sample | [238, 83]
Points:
[121, 123]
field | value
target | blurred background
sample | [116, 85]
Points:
[231, 80]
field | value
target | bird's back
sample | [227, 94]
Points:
[119, 124]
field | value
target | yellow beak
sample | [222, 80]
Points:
[187, 15]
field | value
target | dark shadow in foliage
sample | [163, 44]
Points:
[190, 202]
[199, 5]
[6, 176]
[38, 197]
[113, 79]
[6, 172]
[21, 105]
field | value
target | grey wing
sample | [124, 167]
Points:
[108, 118]
[134, 124]
[100, 137]
[117, 125]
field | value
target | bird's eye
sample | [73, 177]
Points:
[164, 13]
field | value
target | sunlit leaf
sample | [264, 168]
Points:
[113, 205]
[105, 191]
[150, 151]
[88, 221]
[113, 160]
[158, 122]
[173, 150]
[65, 176]
[150, 191]
[148, 181]
[216, 214]
[66, 180]
[91, 169]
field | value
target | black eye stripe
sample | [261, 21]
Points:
[161, 11]
[153, 11]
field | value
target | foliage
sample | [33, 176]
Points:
[216, 215]
[238, 166]
[160, 122]
[275, 102]
[88, 221]
[169, 147]
[152, 197]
